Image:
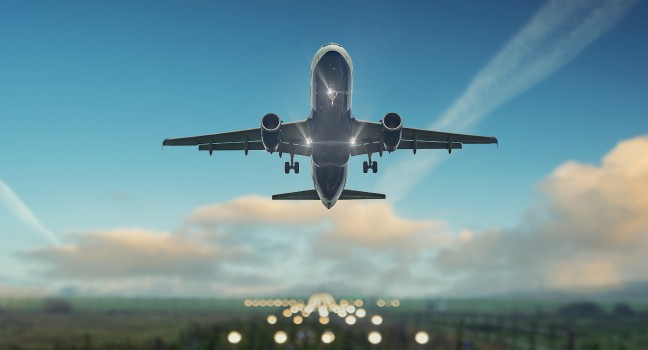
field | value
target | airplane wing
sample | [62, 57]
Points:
[249, 140]
[368, 136]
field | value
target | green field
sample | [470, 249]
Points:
[146, 323]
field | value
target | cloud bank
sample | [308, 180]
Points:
[554, 36]
[587, 230]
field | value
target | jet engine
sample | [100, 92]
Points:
[270, 132]
[392, 128]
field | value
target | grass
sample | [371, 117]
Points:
[139, 322]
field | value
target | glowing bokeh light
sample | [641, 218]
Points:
[361, 313]
[358, 302]
[280, 337]
[422, 338]
[247, 302]
[323, 312]
[234, 337]
[395, 303]
[377, 320]
[324, 320]
[380, 302]
[350, 320]
[328, 337]
[350, 309]
[287, 313]
[272, 319]
[374, 338]
[298, 319]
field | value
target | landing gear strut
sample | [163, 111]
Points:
[292, 164]
[370, 164]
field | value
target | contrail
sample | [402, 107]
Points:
[555, 35]
[18, 207]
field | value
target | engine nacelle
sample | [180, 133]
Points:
[271, 132]
[391, 132]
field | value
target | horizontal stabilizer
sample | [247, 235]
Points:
[312, 195]
[297, 196]
[351, 194]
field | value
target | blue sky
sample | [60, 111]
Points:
[88, 90]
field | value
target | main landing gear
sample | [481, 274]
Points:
[370, 164]
[373, 166]
[292, 164]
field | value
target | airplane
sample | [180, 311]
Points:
[330, 134]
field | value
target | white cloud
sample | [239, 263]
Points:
[554, 36]
[593, 232]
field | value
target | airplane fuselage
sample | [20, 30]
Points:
[331, 121]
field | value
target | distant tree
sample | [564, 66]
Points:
[57, 306]
[622, 310]
[581, 309]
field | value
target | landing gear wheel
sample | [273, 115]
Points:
[365, 167]
[374, 167]
[296, 167]
[287, 167]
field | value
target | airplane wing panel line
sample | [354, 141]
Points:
[300, 150]
[406, 144]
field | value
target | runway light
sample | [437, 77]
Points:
[357, 302]
[277, 302]
[380, 302]
[323, 312]
[361, 313]
[328, 337]
[280, 337]
[234, 337]
[350, 320]
[324, 320]
[422, 338]
[374, 338]
[395, 303]
[272, 319]
[377, 320]
[298, 319]
[247, 302]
